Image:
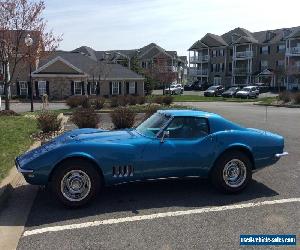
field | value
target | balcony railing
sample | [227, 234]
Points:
[244, 54]
[293, 69]
[294, 51]
[198, 72]
[198, 59]
[241, 70]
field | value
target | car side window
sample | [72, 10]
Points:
[188, 127]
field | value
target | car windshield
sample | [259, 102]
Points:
[246, 89]
[232, 89]
[153, 125]
[172, 86]
[212, 88]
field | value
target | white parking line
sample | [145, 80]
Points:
[156, 216]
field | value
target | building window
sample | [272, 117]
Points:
[264, 64]
[132, 87]
[42, 85]
[265, 49]
[217, 80]
[221, 52]
[23, 88]
[115, 88]
[281, 48]
[1, 88]
[93, 88]
[280, 63]
[214, 53]
[77, 88]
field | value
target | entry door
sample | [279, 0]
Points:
[185, 153]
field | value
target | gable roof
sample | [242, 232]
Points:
[84, 64]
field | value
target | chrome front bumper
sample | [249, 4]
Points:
[282, 154]
[23, 171]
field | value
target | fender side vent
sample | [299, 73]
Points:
[122, 171]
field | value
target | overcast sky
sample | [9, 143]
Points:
[172, 24]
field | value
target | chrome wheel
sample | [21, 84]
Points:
[75, 185]
[234, 173]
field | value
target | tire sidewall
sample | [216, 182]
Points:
[64, 168]
[217, 173]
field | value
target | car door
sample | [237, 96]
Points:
[187, 151]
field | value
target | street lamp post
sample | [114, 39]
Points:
[28, 43]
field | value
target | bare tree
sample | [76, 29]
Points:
[161, 71]
[17, 19]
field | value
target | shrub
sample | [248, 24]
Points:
[158, 99]
[85, 118]
[132, 100]
[86, 102]
[285, 96]
[49, 122]
[140, 99]
[98, 102]
[75, 101]
[114, 102]
[168, 100]
[150, 110]
[122, 117]
[296, 98]
[123, 100]
[8, 113]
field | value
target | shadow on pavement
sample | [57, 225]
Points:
[132, 199]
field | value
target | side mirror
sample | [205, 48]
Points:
[165, 134]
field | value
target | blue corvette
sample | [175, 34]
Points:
[171, 143]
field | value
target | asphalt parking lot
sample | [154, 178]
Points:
[185, 214]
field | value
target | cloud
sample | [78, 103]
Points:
[174, 24]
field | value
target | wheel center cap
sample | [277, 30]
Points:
[76, 184]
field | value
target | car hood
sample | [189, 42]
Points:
[78, 135]
[209, 91]
[228, 92]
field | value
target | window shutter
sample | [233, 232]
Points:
[98, 88]
[18, 88]
[47, 88]
[127, 87]
[29, 88]
[72, 88]
[211, 68]
[269, 50]
[260, 65]
[260, 50]
[82, 88]
[120, 88]
[277, 48]
[135, 85]
[110, 88]
[37, 89]
[88, 88]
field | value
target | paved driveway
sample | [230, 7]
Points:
[186, 214]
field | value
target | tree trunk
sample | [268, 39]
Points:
[6, 87]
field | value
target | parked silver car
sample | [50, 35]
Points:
[248, 92]
[174, 89]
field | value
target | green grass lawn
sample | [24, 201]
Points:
[15, 138]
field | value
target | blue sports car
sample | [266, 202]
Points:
[171, 143]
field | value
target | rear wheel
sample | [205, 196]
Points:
[232, 172]
[75, 183]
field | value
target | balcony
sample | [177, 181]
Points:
[293, 51]
[198, 72]
[241, 55]
[199, 59]
[241, 71]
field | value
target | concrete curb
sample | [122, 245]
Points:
[278, 105]
[13, 180]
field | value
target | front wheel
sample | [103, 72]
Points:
[232, 172]
[75, 183]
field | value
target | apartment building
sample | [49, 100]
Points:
[241, 57]
[149, 57]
